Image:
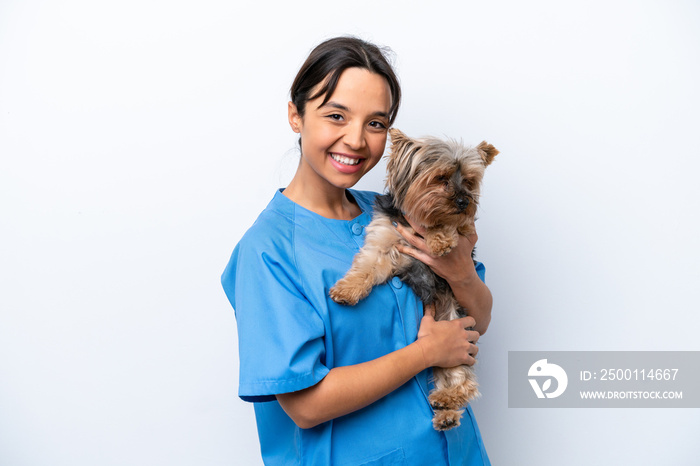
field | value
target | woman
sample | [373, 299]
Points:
[336, 384]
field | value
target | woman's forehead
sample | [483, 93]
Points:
[358, 87]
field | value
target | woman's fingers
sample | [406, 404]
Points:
[449, 342]
[411, 238]
[466, 322]
[472, 336]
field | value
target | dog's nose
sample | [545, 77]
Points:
[462, 203]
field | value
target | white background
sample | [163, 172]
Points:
[140, 139]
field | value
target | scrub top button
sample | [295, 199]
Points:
[356, 229]
[396, 282]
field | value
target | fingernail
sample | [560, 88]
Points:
[394, 223]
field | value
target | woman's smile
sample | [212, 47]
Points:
[345, 160]
[346, 164]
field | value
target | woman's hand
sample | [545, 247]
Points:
[452, 266]
[457, 268]
[447, 343]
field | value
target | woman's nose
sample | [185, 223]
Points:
[354, 137]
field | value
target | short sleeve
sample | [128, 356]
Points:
[280, 335]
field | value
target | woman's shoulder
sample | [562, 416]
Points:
[268, 241]
[274, 224]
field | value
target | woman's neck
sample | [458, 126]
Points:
[326, 200]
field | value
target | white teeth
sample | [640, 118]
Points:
[345, 160]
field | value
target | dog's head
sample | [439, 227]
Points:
[434, 181]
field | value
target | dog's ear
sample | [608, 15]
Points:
[398, 139]
[401, 145]
[488, 152]
[396, 135]
[398, 164]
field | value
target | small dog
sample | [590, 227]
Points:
[436, 183]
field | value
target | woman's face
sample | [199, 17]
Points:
[344, 138]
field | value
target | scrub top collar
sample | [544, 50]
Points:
[354, 226]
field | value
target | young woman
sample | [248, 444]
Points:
[333, 384]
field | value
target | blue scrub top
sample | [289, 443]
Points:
[291, 334]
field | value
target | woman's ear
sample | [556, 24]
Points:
[294, 117]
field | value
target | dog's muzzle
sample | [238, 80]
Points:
[462, 202]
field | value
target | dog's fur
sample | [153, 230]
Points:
[436, 183]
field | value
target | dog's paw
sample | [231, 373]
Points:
[344, 295]
[440, 245]
[439, 249]
[447, 419]
[455, 397]
[444, 400]
[437, 402]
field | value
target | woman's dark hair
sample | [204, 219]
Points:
[327, 62]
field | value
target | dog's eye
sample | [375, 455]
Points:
[443, 179]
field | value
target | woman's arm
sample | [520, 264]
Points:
[347, 389]
[455, 267]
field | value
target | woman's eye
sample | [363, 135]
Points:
[377, 124]
[336, 117]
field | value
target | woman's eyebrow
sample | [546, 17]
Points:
[330, 103]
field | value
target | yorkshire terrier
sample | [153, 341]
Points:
[436, 184]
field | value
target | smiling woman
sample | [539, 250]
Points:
[341, 140]
[334, 384]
